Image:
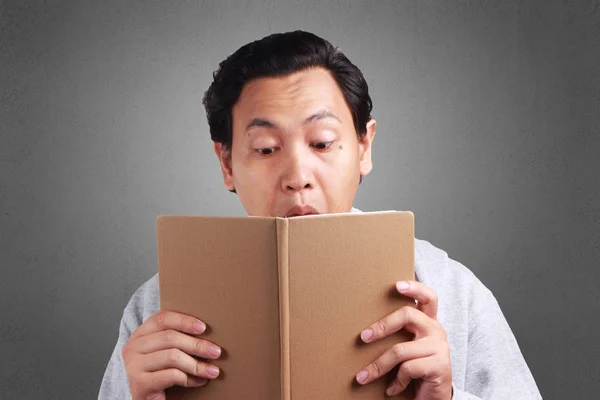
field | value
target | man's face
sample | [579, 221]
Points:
[295, 150]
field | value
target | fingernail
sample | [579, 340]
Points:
[366, 335]
[213, 371]
[391, 391]
[402, 286]
[214, 351]
[199, 326]
[196, 381]
[362, 376]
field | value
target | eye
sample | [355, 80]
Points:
[322, 145]
[265, 151]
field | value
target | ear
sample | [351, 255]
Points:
[224, 156]
[364, 148]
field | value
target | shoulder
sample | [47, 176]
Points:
[144, 302]
[453, 282]
[484, 352]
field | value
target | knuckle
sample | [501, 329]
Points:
[137, 332]
[199, 368]
[440, 333]
[173, 354]
[380, 327]
[437, 380]
[125, 351]
[398, 351]
[168, 335]
[161, 319]
[135, 386]
[445, 337]
[406, 313]
[184, 320]
[188, 381]
[400, 383]
[405, 367]
[200, 347]
[376, 368]
[176, 377]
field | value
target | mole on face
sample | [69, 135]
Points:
[341, 147]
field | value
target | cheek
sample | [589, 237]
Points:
[345, 161]
[341, 171]
[253, 176]
[259, 178]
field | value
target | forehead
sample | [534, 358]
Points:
[294, 96]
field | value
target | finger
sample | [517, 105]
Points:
[175, 358]
[400, 352]
[163, 320]
[398, 384]
[420, 368]
[161, 380]
[174, 339]
[406, 317]
[427, 297]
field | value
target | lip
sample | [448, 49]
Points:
[298, 211]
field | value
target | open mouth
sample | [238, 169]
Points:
[301, 211]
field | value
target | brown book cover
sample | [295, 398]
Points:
[287, 298]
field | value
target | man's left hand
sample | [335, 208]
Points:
[426, 358]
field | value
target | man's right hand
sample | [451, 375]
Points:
[159, 353]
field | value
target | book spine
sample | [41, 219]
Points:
[284, 305]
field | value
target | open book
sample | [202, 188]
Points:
[287, 298]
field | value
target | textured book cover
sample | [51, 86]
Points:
[287, 298]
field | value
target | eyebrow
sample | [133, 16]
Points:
[319, 115]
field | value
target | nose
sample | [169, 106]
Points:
[297, 174]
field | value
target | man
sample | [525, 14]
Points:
[290, 119]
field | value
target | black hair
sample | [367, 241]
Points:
[277, 55]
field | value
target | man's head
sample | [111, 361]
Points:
[290, 118]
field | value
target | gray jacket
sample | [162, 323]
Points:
[486, 360]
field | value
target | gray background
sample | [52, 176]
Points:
[487, 130]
